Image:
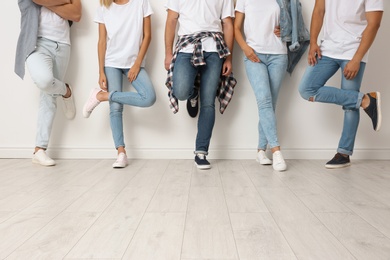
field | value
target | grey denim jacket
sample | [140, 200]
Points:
[28, 34]
[293, 31]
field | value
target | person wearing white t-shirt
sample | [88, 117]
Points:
[124, 38]
[44, 46]
[349, 29]
[265, 63]
[205, 42]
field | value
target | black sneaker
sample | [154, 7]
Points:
[374, 109]
[338, 161]
[201, 162]
[193, 105]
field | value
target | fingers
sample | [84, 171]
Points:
[351, 69]
[312, 59]
[103, 85]
[167, 61]
[349, 74]
[314, 54]
[253, 58]
[277, 31]
[132, 75]
[226, 69]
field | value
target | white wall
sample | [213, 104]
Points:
[306, 130]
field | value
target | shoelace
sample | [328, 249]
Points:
[193, 102]
[201, 156]
[278, 157]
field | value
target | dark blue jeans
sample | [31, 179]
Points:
[184, 75]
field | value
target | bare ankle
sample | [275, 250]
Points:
[365, 101]
[68, 91]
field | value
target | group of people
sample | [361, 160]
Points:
[271, 34]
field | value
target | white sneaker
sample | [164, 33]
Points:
[91, 103]
[121, 161]
[69, 106]
[40, 157]
[278, 161]
[262, 158]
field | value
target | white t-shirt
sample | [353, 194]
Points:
[201, 16]
[53, 27]
[124, 26]
[344, 24]
[261, 18]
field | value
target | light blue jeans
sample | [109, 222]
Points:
[143, 97]
[349, 97]
[184, 75]
[266, 78]
[47, 66]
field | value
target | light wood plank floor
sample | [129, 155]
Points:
[168, 209]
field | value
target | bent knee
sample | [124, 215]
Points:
[44, 83]
[304, 92]
[181, 95]
[150, 100]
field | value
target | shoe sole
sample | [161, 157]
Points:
[338, 166]
[264, 163]
[69, 100]
[203, 167]
[280, 169]
[378, 108]
[118, 166]
[43, 164]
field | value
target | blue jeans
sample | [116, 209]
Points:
[47, 66]
[349, 97]
[184, 75]
[266, 79]
[144, 97]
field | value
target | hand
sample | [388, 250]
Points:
[133, 72]
[103, 82]
[167, 61]
[227, 67]
[277, 31]
[250, 54]
[351, 69]
[314, 54]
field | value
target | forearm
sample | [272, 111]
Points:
[169, 37]
[238, 21]
[368, 36]
[147, 37]
[101, 56]
[315, 26]
[49, 3]
[70, 11]
[240, 39]
[228, 34]
[170, 30]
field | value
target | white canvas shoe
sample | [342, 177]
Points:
[68, 105]
[40, 157]
[121, 161]
[262, 158]
[91, 103]
[278, 162]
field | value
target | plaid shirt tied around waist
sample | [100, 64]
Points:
[227, 83]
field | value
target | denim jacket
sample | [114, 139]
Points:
[28, 33]
[293, 31]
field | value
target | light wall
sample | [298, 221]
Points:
[306, 130]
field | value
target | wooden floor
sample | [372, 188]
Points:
[167, 209]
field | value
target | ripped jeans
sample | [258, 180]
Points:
[348, 96]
